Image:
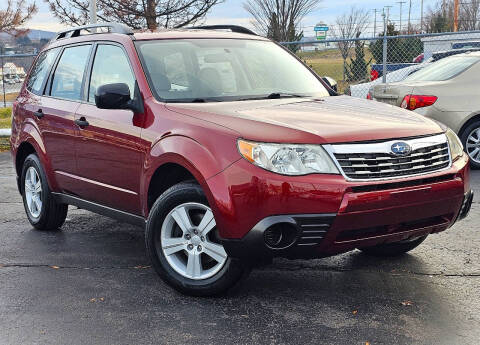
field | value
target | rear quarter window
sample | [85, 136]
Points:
[40, 70]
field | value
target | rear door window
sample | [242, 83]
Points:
[40, 70]
[68, 77]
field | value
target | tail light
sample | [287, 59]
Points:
[369, 96]
[412, 102]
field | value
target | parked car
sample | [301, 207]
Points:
[446, 91]
[228, 150]
[361, 90]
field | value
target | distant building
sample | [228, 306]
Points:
[447, 42]
[10, 69]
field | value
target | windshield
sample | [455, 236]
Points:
[198, 70]
[444, 69]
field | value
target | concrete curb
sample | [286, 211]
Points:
[5, 132]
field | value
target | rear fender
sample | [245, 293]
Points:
[31, 135]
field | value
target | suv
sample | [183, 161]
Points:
[228, 151]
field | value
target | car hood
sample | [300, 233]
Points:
[324, 120]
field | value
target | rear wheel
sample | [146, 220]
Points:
[393, 249]
[43, 212]
[183, 243]
[471, 142]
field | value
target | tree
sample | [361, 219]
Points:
[15, 15]
[279, 19]
[469, 18]
[440, 18]
[137, 14]
[399, 50]
[348, 26]
[358, 67]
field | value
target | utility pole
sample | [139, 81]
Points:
[385, 43]
[409, 14]
[93, 11]
[421, 17]
[375, 24]
[401, 5]
[455, 17]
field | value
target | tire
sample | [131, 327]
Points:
[466, 133]
[172, 248]
[393, 249]
[45, 214]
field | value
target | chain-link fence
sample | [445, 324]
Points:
[13, 70]
[358, 64]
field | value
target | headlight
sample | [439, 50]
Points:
[456, 147]
[288, 159]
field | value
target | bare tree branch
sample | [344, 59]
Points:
[347, 26]
[350, 25]
[279, 19]
[138, 14]
[15, 16]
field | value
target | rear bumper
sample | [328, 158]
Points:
[330, 215]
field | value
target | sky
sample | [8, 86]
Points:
[232, 12]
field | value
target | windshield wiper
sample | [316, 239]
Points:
[276, 95]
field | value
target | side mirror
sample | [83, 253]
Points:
[331, 82]
[114, 96]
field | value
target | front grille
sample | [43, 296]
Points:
[313, 228]
[359, 163]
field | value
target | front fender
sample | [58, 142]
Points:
[201, 163]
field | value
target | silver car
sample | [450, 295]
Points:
[446, 91]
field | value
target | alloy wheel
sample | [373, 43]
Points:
[189, 241]
[33, 192]
[473, 145]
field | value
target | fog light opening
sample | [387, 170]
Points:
[280, 236]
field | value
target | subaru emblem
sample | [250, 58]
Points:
[401, 149]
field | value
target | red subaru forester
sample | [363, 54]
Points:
[228, 150]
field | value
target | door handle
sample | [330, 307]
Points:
[81, 122]
[39, 113]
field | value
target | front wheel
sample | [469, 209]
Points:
[183, 244]
[393, 249]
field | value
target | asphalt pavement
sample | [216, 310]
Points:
[92, 284]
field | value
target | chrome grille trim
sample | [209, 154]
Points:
[374, 161]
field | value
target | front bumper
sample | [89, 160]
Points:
[331, 215]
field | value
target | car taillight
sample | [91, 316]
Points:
[369, 96]
[412, 102]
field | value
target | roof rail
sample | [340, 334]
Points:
[233, 28]
[76, 31]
